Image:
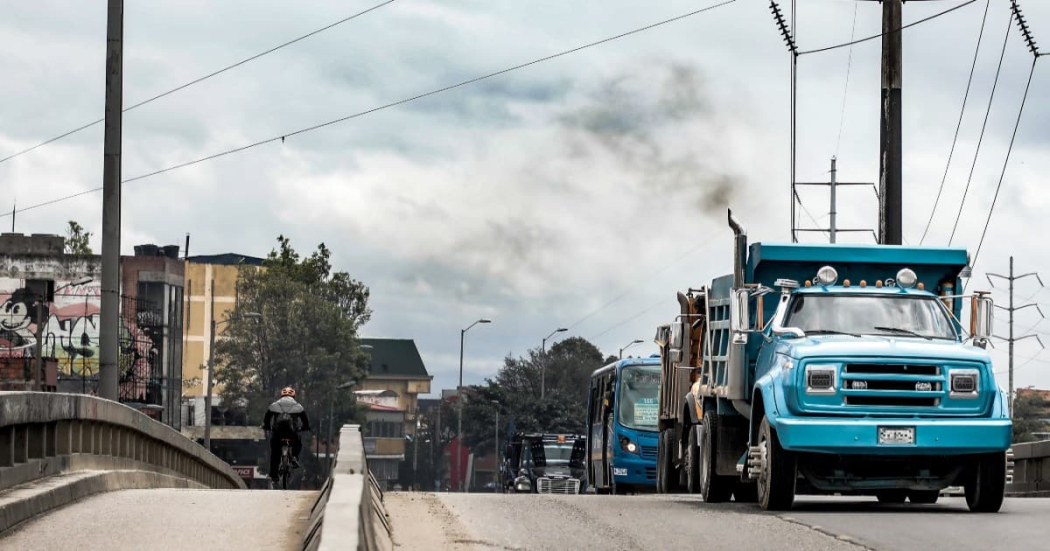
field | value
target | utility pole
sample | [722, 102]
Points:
[833, 230]
[890, 151]
[109, 328]
[459, 399]
[1011, 340]
[543, 360]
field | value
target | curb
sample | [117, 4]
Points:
[24, 502]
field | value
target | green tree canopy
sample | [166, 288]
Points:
[306, 336]
[77, 240]
[1030, 410]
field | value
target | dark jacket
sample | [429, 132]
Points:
[286, 404]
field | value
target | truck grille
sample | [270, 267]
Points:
[648, 452]
[893, 385]
[546, 485]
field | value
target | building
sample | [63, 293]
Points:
[395, 379]
[210, 294]
[152, 285]
[55, 296]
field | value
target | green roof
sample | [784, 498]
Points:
[395, 358]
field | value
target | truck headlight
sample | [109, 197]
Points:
[964, 383]
[628, 446]
[821, 378]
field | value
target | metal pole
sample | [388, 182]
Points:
[328, 440]
[794, 94]
[459, 416]
[208, 386]
[543, 367]
[834, 183]
[109, 329]
[39, 359]
[1011, 364]
[890, 157]
[498, 479]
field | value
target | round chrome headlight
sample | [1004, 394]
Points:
[827, 276]
[906, 278]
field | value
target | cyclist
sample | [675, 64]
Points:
[284, 420]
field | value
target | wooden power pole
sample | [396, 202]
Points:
[890, 151]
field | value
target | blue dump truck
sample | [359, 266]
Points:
[832, 369]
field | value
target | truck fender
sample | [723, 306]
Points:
[763, 405]
[689, 415]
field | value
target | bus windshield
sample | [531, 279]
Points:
[639, 397]
[871, 315]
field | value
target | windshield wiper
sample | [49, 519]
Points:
[828, 332]
[902, 331]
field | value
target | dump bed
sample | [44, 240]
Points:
[680, 344]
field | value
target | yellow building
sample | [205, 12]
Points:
[395, 364]
[210, 293]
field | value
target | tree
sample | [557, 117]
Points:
[306, 336]
[1030, 410]
[77, 240]
[563, 408]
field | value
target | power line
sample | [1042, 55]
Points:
[389, 105]
[845, 89]
[873, 37]
[1006, 161]
[958, 125]
[984, 126]
[201, 79]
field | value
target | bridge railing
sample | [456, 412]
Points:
[349, 513]
[44, 434]
[1031, 470]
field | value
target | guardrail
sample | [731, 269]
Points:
[349, 513]
[44, 434]
[1031, 470]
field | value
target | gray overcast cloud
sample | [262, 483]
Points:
[537, 196]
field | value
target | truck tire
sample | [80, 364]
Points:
[924, 497]
[713, 488]
[777, 477]
[692, 463]
[987, 485]
[666, 474]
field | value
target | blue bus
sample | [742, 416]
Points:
[622, 416]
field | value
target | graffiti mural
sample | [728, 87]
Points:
[69, 333]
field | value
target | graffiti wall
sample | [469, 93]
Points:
[69, 330]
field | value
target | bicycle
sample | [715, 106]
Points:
[284, 471]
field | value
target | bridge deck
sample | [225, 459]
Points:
[171, 520]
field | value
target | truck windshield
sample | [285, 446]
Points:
[640, 396]
[557, 453]
[856, 314]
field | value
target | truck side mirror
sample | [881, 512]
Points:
[981, 315]
[738, 315]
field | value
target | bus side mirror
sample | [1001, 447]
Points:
[738, 315]
[981, 317]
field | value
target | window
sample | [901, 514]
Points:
[871, 315]
[639, 397]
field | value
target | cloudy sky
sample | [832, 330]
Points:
[578, 192]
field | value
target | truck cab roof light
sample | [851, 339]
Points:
[921, 286]
[863, 283]
[906, 278]
[845, 283]
[878, 283]
[826, 276]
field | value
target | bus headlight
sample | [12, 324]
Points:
[628, 446]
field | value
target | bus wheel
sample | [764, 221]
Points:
[692, 463]
[713, 488]
[776, 479]
[984, 491]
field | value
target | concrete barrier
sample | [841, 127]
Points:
[1031, 470]
[44, 434]
[349, 513]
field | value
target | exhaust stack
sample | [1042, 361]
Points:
[740, 250]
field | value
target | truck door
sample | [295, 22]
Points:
[539, 455]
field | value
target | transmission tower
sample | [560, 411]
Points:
[1011, 278]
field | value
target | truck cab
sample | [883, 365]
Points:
[841, 369]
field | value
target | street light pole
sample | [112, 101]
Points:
[499, 472]
[211, 372]
[630, 344]
[459, 399]
[543, 365]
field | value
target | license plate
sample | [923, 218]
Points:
[896, 435]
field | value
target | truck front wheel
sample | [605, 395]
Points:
[713, 488]
[987, 484]
[776, 479]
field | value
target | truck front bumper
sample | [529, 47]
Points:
[861, 436]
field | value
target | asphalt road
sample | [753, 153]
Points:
[491, 521]
[175, 520]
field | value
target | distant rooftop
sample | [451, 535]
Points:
[226, 259]
[395, 358]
